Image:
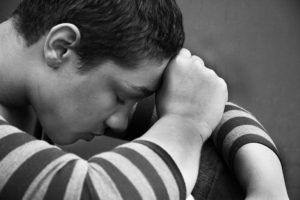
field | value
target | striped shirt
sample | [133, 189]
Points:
[237, 128]
[33, 169]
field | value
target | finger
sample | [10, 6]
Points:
[198, 59]
[186, 53]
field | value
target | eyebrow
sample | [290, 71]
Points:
[142, 91]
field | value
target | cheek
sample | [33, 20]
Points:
[81, 112]
[107, 102]
[96, 109]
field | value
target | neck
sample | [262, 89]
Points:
[13, 90]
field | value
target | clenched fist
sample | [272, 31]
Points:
[192, 92]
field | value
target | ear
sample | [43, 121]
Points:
[59, 42]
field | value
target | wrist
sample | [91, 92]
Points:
[200, 128]
[179, 137]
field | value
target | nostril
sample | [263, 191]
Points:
[116, 133]
[108, 131]
[117, 123]
[120, 129]
[120, 126]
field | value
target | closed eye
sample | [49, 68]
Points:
[120, 100]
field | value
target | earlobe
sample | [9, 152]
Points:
[60, 40]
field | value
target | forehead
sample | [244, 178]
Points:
[147, 72]
[146, 76]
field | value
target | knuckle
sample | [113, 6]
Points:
[179, 60]
[222, 84]
[211, 72]
[181, 55]
[223, 81]
[198, 63]
[197, 59]
[176, 60]
[184, 52]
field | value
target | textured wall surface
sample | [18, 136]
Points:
[255, 46]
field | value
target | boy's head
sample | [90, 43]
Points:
[125, 31]
[92, 60]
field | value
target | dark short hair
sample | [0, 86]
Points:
[126, 31]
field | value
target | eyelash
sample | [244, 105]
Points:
[119, 100]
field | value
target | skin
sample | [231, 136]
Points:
[191, 101]
[73, 105]
[70, 105]
[70, 114]
[259, 171]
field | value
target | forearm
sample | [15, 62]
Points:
[41, 171]
[250, 152]
[183, 143]
[260, 173]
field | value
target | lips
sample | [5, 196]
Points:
[88, 137]
[97, 133]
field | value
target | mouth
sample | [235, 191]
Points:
[97, 133]
[88, 137]
[115, 134]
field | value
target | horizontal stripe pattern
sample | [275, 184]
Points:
[6, 129]
[160, 166]
[131, 191]
[237, 128]
[232, 106]
[88, 190]
[75, 185]
[59, 182]
[227, 116]
[125, 168]
[240, 131]
[14, 188]
[11, 142]
[32, 170]
[246, 139]
[172, 166]
[137, 170]
[17, 157]
[102, 186]
[39, 187]
[147, 170]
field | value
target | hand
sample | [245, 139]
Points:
[193, 92]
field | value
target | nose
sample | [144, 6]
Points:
[118, 121]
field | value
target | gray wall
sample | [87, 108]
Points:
[6, 7]
[255, 46]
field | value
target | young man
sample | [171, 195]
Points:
[82, 66]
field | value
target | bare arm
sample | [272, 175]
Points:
[250, 153]
[256, 166]
[190, 104]
[153, 166]
[260, 172]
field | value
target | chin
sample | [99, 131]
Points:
[67, 141]
[58, 139]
